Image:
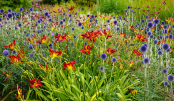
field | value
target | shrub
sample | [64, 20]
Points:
[13, 4]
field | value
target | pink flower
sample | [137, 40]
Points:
[164, 2]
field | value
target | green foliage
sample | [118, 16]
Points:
[110, 6]
[13, 4]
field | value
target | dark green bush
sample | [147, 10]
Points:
[111, 6]
[14, 4]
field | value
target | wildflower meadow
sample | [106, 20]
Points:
[49, 54]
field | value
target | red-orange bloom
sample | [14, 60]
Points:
[90, 35]
[137, 52]
[15, 59]
[42, 40]
[141, 37]
[19, 96]
[4, 72]
[69, 66]
[11, 45]
[60, 37]
[110, 51]
[35, 83]
[123, 34]
[55, 53]
[107, 33]
[86, 49]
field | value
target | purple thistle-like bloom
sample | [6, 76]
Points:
[128, 7]
[1, 10]
[9, 15]
[149, 25]
[101, 68]
[19, 24]
[143, 48]
[103, 56]
[31, 9]
[162, 22]
[20, 9]
[146, 61]
[46, 13]
[31, 55]
[165, 46]
[155, 41]
[9, 10]
[165, 31]
[166, 83]
[170, 36]
[149, 34]
[30, 46]
[170, 78]
[152, 36]
[108, 21]
[5, 52]
[115, 22]
[79, 24]
[114, 59]
[160, 52]
[160, 37]
[156, 21]
[168, 50]
[164, 71]
[165, 26]
[61, 22]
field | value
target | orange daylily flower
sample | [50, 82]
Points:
[42, 40]
[55, 53]
[35, 83]
[11, 45]
[4, 72]
[71, 9]
[137, 52]
[19, 96]
[45, 68]
[107, 34]
[69, 66]
[123, 34]
[86, 49]
[141, 37]
[15, 59]
[60, 37]
[110, 51]
[131, 63]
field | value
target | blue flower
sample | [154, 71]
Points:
[162, 22]
[31, 9]
[160, 37]
[164, 71]
[146, 61]
[19, 24]
[64, 20]
[149, 25]
[61, 22]
[5, 52]
[87, 15]
[156, 21]
[118, 28]
[170, 36]
[143, 48]
[9, 10]
[155, 41]
[79, 24]
[149, 34]
[165, 31]
[101, 68]
[152, 36]
[73, 29]
[103, 56]
[115, 22]
[160, 52]
[30, 46]
[1, 10]
[9, 15]
[166, 83]
[114, 59]
[170, 78]
[165, 46]
[31, 55]
[165, 26]
[168, 50]
[128, 7]
[142, 21]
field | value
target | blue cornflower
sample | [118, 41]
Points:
[5, 52]
[103, 56]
